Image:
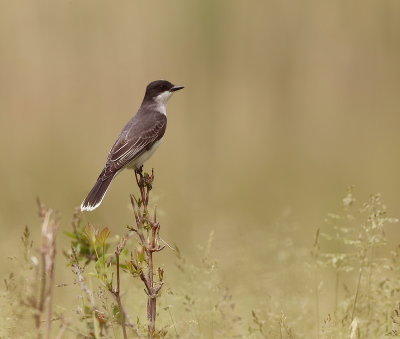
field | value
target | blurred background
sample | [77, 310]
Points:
[285, 105]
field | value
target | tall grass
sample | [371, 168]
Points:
[349, 262]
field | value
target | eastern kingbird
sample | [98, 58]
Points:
[138, 140]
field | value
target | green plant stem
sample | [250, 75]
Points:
[118, 299]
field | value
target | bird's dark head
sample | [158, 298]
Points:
[160, 90]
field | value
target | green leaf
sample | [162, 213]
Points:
[117, 313]
[140, 254]
[71, 235]
[102, 236]
[91, 233]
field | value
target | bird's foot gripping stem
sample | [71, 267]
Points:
[145, 184]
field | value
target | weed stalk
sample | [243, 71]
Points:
[144, 265]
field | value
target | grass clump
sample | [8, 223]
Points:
[366, 277]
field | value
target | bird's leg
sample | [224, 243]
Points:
[140, 180]
[140, 170]
[138, 175]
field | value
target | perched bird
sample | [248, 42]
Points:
[138, 140]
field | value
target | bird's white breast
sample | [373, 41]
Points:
[161, 101]
[139, 161]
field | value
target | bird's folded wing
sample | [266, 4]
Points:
[129, 147]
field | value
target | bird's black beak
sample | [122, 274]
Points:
[176, 88]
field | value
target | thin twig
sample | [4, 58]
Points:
[118, 297]
[356, 296]
[172, 248]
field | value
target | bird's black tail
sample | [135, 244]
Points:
[96, 195]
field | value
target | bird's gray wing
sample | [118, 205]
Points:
[133, 141]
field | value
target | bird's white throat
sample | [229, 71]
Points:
[161, 101]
